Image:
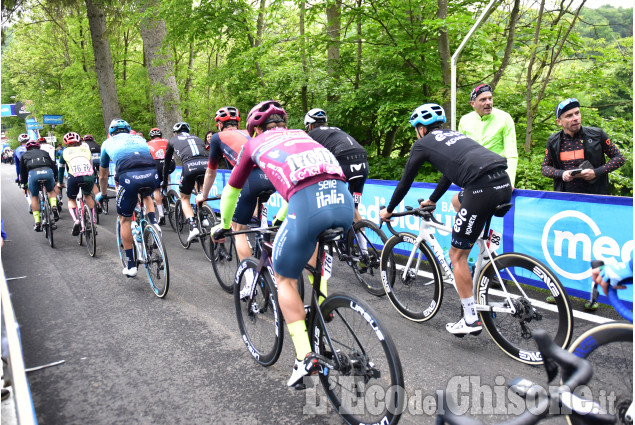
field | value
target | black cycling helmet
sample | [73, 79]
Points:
[181, 127]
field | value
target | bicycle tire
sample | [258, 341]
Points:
[206, 215]
[609, 348]
[365, 358]
[171, 199]
[89, 231]
[156, 264]
[367, 269]
[259, 317]
[182, 225]
[48, 215]
[416, 293]
[224, 261]
[512, 333]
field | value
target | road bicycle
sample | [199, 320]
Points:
[354, 349]
[88, 231]
[170, 198]
[148, 248]
[507, 286]
[564, 399]
[205, 220]
[46, 213]
[609, 348]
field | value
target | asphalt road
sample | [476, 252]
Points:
[130, 357]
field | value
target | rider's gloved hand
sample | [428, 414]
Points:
[615, 273]
[218, 233]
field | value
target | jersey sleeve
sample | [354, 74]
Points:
[416, 159]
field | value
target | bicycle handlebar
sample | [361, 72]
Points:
[423, 212]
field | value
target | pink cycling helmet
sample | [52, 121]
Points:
[259, 114]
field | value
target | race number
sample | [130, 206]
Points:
[80, 166]
[494, 240]
[263, 217]
[327, 265]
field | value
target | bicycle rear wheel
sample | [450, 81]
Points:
[208, 219]
[182, 226]
[528, 282]
[258, 313]
[89, 231]
[156, 264]
[609, 348]
[367, 243]
[171, 199]
[47, 222]
[366, 361]
[415, 291]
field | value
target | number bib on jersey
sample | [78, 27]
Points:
[80, 166]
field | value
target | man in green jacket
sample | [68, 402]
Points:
[491, 127]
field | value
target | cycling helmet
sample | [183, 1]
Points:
[259, 114]
[118, 126]
[32, 144]
[155, 132]
[315, 115]
[41, 139]
[88, 138]
[180, 127]
[227, 113]
[23, 138]
[427, 114]
[72, 138]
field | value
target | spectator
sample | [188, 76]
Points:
[574, 157]
[491, 127]
[208, 138]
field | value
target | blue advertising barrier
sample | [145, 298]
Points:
[564, 231]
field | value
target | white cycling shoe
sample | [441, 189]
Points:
[193, 234]
[462, 328]
[130, 272]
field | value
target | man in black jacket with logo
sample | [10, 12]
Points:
[574, 157]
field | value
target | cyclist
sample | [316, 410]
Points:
[479, 171]
[228, 143]
[191, 151]
[36, 164]
[158, 145]
[95, 152]
[134, 169]
[17, 153]
[308, 177]
[77, 159]
[613, 274]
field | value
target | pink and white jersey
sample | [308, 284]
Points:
[291, 160]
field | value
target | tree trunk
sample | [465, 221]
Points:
[513, 18]
[165, 93]
[305, 72]
[444, 53]
[358, 64]
[390, 142]
[188, 80]
[333, 29]
[534, 47]
[103, 63]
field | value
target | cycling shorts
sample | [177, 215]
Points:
[129, 184]
[41, 174]
[160, 163]
[193, 171]
[312, 210]
[96, 167]
[73, 185]
[257, 182]
[355, 169]
[477, 206]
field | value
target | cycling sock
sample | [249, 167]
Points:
[469, 311]
[94, 215]
[192, 223]
[130, 258]
[300, 338]
[53, 201]
[160, 210]
[362, 242]
[73, 213]
[152, 217]
[36, 216]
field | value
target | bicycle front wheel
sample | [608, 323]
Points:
[411, 277]
[528, 282]
[89, 231]
[207, 222]
[609, 348]
[171, 199]
[258, 313]
[366, 244]
[182, 226]
[365, 360]
[156, 263]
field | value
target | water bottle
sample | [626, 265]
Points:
[136, 232]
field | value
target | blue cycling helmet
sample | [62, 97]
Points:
[118, 126]
[427, 114]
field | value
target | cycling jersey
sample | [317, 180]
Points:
[78, 162]
[461, 160]
[50, 149]
[187, 147]
[343, 146]
[228, 144]
[128, 152]
[157, 148]
[17, 153]
[291, 159]
[35, 159]
[95, 150]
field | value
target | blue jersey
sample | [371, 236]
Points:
[128, 152]
[18, 152]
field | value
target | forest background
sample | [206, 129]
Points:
[368, 63]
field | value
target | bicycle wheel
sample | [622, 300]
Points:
[527, 280]
[89, 231]
[224, 261]
[609, 348]
[365, 358]
[258, 314]
[207, 222]
[182, 226]
[367, 243]
[415, 291]
[48, 217]
[171, 198]
[156, 264]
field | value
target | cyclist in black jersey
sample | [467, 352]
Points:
[479, 171]
[95, 151]
[191, 150]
